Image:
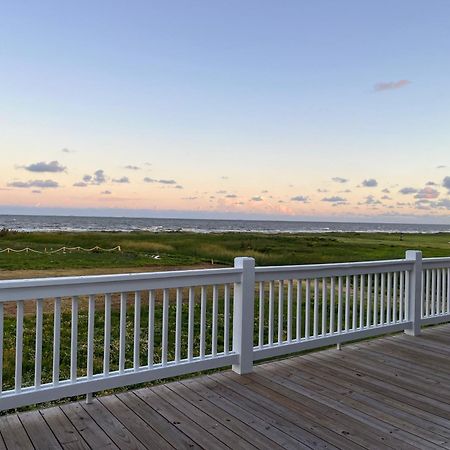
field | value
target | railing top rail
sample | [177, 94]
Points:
[431, 263]
[334, 269]
[33, 288]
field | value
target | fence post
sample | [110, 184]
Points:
[415, 292]
[243, 315]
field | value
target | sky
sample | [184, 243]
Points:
[288, 109]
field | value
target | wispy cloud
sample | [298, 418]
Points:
[408, 190]
[334, 199]
[446, 183]
[390, 85]
[67, 150]
[161, 181]
[43, 184]
[300, 199]
[427, 193]
[131, 167]
[121, 180]
[340, 180]
[257, 198]
[42, 166]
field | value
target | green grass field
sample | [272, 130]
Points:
[183, 249]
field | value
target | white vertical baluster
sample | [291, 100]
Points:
[1, 346]
[388, 298]
[361, 301]
[271, 310]
[151, 328]
[261, 315]
[339, 316]
[191, 323]
[202, 322]
[402, 296]
[298, 329]
[56, 339]
[444, 291]
[448, 291]
[74, 340]
[347, 303]
[90, 336]
[394, 298]
[324, 306]
[427, 293]
[107, 335]
[38, 345]
[307, 308]
[433, 292]
[165, 328]
[179, 310]
[215, 313]
[19, 346]
[375, 300]
[280, 310]
[369, 299]
[332, 305]
[137, 330]
[355, 297]
[226, 331]
[316, 308]
[289, 311]
[122, 330]
[438, 291]
[407, 280]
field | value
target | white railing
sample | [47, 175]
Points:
[62, 337]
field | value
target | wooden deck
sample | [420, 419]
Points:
[392, 392]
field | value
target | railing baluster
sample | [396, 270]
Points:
[382, 319]
[307, 308]
[90, 336]
[339, 315]
[191, 323]
[179, 310]
[394, 298]
[151, 329]
[375, 300]
[355, 299]
[316, 308]
[56, 339]
[438, 291]
[19, 346]
[107, 335]
[388, 298]
[280, 310]
[324, 306]
[165, 328]
[38, 344]
[347, 303]
[369, 299]
[202, 322]
[298, 329]
[261, 315]
[122, 331]
[402, 296]
[448, 291]
[332, 305]
[215, 311]
[361, 301]
[433, 291]
[271, 311]
[137, 330]
[289, 311]
[74, 341]
[427, 293]
[226, 331]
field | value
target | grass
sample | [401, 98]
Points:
[188, 249]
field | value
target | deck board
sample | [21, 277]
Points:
[385, 393]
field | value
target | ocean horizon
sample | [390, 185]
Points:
[36, 223]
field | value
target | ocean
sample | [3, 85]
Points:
[125, 224]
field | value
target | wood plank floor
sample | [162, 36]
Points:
[391, 392]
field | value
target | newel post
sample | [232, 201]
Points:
[243, 315]
[415, 292]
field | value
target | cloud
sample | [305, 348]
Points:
[370, 182]
[427, 193]
[441, 167]
[224, 177]
[386, 191]
[408, 190]
[178, 186]
[99, 177]
[67, 150]
[446, 183]
[371, 200]
[121, 180]
[257, 198]
[42, 166]
[231, 196]
[334, 199]
[322, 190]
[300, 198]
[43, 184]
[106, 192]
[390, 85]
[80, 184]
[189, 198]
[154, 180]
[431, 183]
[131, 167]
[340, 180]
[386, 197]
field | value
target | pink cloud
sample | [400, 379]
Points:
[390, 85]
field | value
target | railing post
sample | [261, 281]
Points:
[243, 315]
[414, 292]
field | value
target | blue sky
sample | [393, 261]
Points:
[250, 107]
